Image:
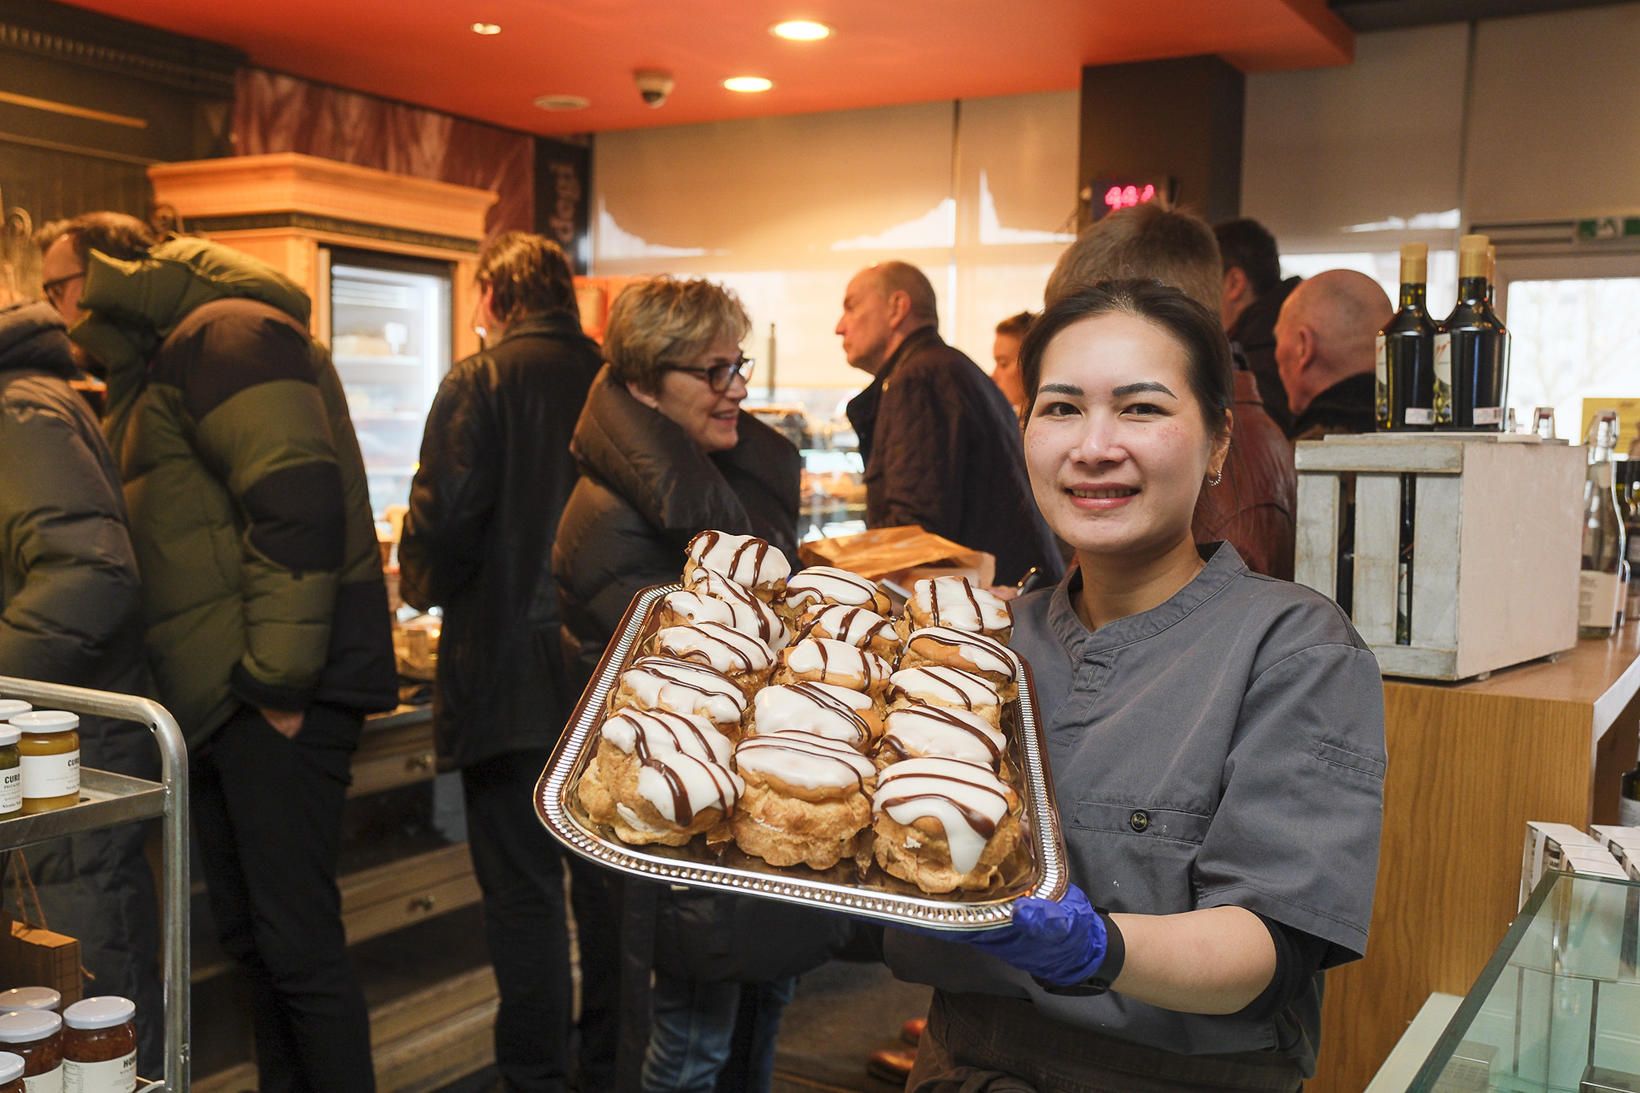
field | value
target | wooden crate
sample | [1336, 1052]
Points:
[1495, 553]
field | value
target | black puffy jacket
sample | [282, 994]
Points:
[70, 602]
[495, 474]
[646, 490]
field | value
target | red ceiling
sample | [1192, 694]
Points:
[882, 51]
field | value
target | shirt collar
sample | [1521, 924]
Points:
[1223, 565]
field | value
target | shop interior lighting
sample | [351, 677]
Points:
[801, 30]
[486, 29]
[563, 102]
[748, 85]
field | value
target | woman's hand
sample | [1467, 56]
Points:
[1059, 942]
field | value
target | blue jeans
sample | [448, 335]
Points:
[693, 1029]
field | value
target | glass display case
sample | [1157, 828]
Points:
[1557, 1008]
[834, 488]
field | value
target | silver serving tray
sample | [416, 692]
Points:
[1037, 868]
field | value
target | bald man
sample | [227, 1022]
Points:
[940, 443]
[1325, 352]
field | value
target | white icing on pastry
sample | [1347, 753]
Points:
[713, 598]
[824, 709]
[855, 626]
[939, 685]
[967, 800]
[723, 647]
[678, 685]
[825, 584]
[744, 559]
[836, 659]
[953, 734]
[658, 732]
[681, 786]
[959, 602]
[984, 654]
[802, 760]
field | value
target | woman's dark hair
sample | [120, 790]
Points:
[529, 274]
[1196, 329]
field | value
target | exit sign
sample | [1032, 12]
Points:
[1608, 227]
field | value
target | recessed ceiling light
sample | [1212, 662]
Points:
[748, 85]
[486, 29]
[563, 102]
[800, 30]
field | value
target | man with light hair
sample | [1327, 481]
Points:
[940, 443]
[1253, 505]
[1326, 352]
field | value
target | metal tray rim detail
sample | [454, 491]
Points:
[926, 911]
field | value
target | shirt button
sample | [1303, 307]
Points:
[1140, 820]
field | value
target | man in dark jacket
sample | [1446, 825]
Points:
[494, 476]
[1252, 298]
[1326, 349]
[940, 443]
[71, 612]
[1254, 504]
[264, 604]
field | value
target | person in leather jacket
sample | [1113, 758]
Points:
[495, 474]
[1255, 504]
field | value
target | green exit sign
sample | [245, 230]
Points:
[1608, 227]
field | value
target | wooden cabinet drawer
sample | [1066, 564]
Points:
[376, 901]
[395, 752]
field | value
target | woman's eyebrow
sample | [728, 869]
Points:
[1138, 388]
[1060, 389]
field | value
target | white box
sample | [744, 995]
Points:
[1496, 545]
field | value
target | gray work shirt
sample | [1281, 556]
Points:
[1225, 748]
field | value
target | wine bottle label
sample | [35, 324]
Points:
[1420, 415]
[1597, 598]
[1488, 415]
[11, 790]
[1628, 813]
[1443, 358]
[1383, 362]
[51, 775]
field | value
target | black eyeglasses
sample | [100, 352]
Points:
[720, 373]
[54, 287]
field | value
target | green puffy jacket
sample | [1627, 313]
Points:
[249, 510]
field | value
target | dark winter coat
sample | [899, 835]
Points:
[495, 474]
[70, 601]
[942, 450]
[262, 581]
[646, 490]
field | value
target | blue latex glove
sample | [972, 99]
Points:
[1060, 942]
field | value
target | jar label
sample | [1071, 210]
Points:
[1598, 598]
[51, 775]
[51, 1082]
[114, 1076]
[11, 789]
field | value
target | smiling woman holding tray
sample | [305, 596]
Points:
[1216, 741]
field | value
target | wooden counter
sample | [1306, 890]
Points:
[1469, 765]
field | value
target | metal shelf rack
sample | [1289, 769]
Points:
[107, 799]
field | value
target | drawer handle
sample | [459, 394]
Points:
[421, 904]
[419, 764]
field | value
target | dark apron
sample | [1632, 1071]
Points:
[979, 1043]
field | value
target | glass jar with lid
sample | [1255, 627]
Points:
[11, 771]
[50, 753]
[37, 1037]
[30, 998]
[11, 1073]
[11, 707]
[100, 1045]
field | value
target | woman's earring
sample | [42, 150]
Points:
[1216, 479]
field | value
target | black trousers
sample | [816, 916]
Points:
[268, 813]
[520, 869]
